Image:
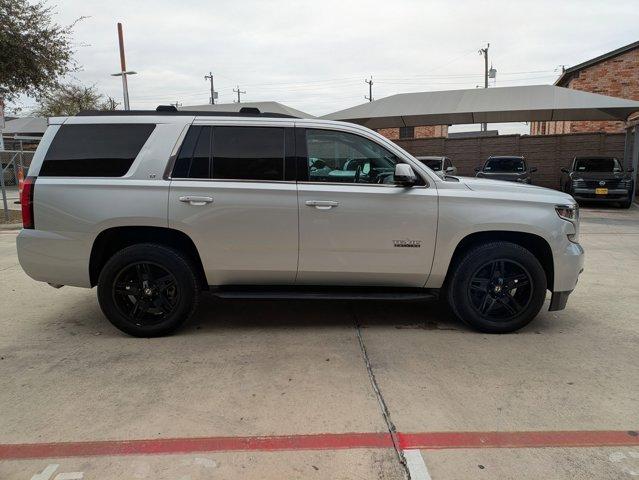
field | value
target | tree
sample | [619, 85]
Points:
[68, 100]
[34, 51]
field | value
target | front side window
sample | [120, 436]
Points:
[97, 150]
[347, 158]
[505, 164]
[600, 164]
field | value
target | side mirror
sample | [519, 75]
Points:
[478, 169]
[450, 169]
[404, 175]
[564, 170]
[532, 169]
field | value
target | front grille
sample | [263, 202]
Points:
[614, 183]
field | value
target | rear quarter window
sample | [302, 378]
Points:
[99, 150]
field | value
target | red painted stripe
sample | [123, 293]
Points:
[325, 441]
[322, 441]
[449, 440]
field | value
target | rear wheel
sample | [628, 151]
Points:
[148, 290]
[497, 287]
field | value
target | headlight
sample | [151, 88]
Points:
[570, 213]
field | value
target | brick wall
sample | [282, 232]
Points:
[616, 77]
[546, 152]
[426, 131]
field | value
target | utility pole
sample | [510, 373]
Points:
[123, 72]
[370, 89]
[239, 92]
[213, 92]
[484, 52]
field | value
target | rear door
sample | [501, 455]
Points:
[356, 226]
[233, 192]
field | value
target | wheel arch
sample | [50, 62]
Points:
[537, 245]
[114, 239]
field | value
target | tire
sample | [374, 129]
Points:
[627, 204]
[479, 293]
[155, 308]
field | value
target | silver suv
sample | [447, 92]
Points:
[155, 207]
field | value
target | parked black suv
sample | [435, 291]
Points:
[598, 179]
[510, 168]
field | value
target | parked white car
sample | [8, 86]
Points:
[154, 207]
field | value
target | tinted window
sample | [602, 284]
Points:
[505, 164]
[100, 150]
[343, 157]
[183, 161]
[248, 153]
[597, 165]
[201, 155]
[435, 165]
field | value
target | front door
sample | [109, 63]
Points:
[356, 226]
[232, 195]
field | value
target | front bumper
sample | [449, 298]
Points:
[589, 195]
[568, 263]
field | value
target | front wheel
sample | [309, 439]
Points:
[498, 287]
[148, 290]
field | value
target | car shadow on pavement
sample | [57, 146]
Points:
[214, 313]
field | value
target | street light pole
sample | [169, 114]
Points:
[123, 72]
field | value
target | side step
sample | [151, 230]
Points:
[303, 293]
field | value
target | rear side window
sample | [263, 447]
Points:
[99, 150]
[194, 159]
[248, 153]
[232, 153]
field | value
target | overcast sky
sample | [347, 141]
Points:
[314, 55]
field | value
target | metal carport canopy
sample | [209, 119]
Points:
[490, 105]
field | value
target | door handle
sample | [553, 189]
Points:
[322, 204]
[195, 199]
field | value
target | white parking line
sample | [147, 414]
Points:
[416, 465]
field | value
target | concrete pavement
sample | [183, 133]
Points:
[296, 368]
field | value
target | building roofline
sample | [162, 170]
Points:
[567, 74]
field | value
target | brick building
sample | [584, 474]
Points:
[615, 74]
[426, 131]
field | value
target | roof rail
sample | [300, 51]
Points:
[169, 110]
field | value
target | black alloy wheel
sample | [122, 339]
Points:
[501, 289]
[148, 290]
[145, 293]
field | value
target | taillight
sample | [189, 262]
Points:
[26, 201]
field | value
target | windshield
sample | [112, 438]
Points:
[433, 164]
[505, 165]
[597, 165]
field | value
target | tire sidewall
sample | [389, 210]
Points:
[172, 261]
[460, 286]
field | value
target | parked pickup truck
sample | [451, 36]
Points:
[153, 207]
[598, 179]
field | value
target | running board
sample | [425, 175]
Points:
[306, 294]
